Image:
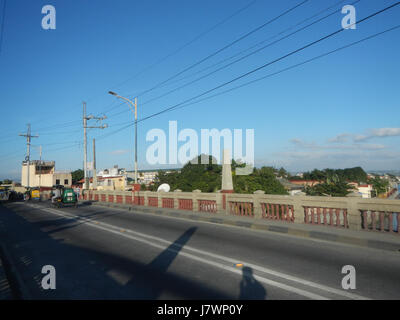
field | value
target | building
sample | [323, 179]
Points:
[118, 182]
[304, 183]
[111, 172]
[43, 174]
[292, 188]
[365, 190]
[147, 177]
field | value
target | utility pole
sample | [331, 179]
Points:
[133, 106]
[94, 165]
[28, 147]
[136, 166]
[84, 147]
[40, 164]
[85, 126]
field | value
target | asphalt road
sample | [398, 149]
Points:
[104, 253]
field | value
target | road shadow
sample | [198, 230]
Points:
[89, 269]
[165, 258]
[250, 288]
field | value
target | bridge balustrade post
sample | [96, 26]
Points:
[195, 199]
[159, 195]
[257, 203]
[298, 209]
[175, 197]
[219, 202]
[353, 214]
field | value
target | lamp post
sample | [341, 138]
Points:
[133, 106]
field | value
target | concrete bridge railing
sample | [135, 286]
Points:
[339, 212]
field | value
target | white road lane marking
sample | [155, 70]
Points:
[230, 261]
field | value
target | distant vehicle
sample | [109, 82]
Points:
[35, 194]
[15, 196]
[4, 194]
[64, 197]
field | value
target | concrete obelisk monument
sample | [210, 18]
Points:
[227, 185]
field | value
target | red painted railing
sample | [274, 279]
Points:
[110, 198]
[207, 206]
[283, 212]
[96, 197]
[241, 208]
[141, 201]
[185, 204]
[120, 199]
[103, 198]
[381, 221]
[168, 203]
[153, 201]
[332, 217]
[128, 199]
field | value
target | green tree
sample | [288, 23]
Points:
[379, 185]
[261, 179]
[282, 173]
[207, 178]
[77, 175]
[333, 186]
[356, 174]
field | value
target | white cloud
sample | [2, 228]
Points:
[372, 133]
[321, 159]
[312, 145]
[386, 132]
[343, 137]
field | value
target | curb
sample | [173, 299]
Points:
[5, 287]
[290, 229]
[17, 286]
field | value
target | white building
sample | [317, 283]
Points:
[365, 190]
[43, 174]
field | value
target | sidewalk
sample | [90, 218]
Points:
[369, 239]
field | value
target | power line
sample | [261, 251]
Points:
[293, 66]
[260, 43]
[49, 128]
[271, 62]
[223, 48]
[185, 103]
[253, 81]
[188, 43]
[2, 24]
[244, 57]
[183, 47]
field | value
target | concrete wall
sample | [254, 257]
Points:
[343, 212]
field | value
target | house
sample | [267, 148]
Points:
[304, 183]
[365, 190]
[108, 183]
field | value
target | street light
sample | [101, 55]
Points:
[133, 106]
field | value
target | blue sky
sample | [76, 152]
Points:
[339, 111]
